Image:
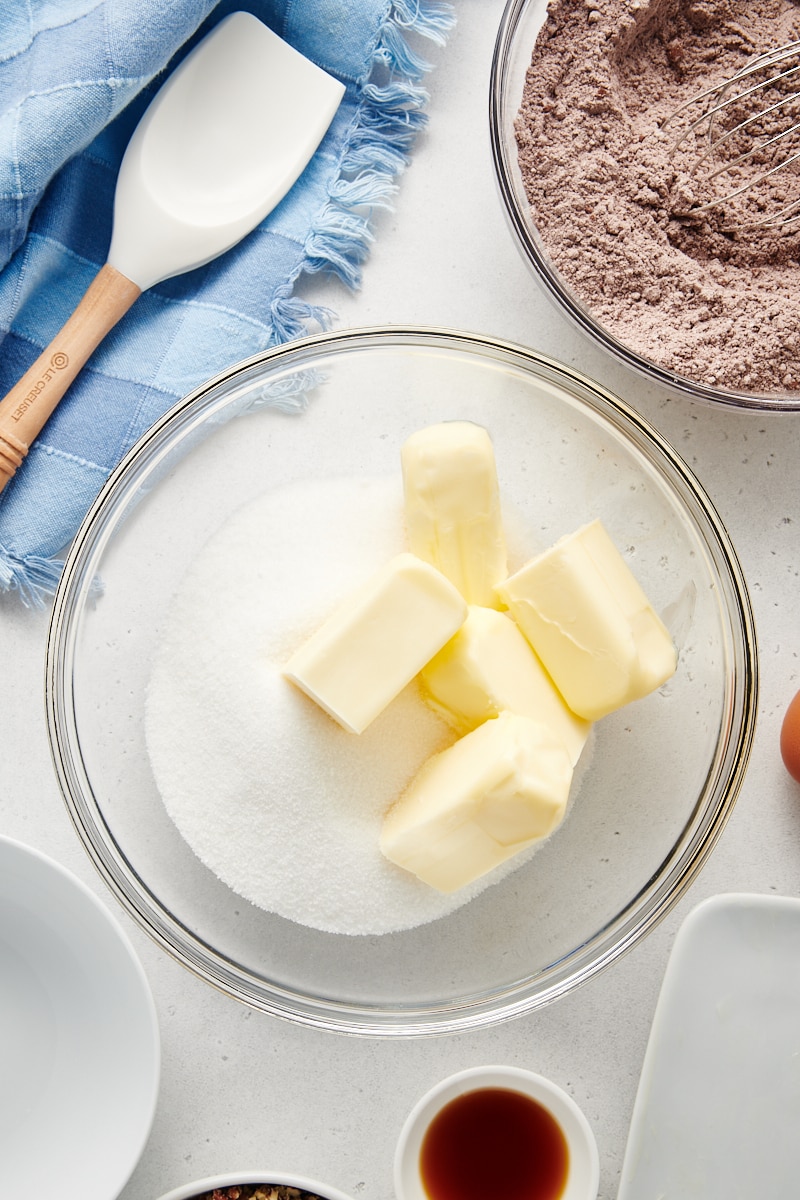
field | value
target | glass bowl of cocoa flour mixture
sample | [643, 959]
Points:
[238, 823]
[600, 200]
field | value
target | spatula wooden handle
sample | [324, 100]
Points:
[26, 408]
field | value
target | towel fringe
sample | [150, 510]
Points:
[378, 149]
[432, 20]
[34, 578]
[292, 318]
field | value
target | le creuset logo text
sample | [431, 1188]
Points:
[57, 363]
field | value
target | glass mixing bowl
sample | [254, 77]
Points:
[519, 27]
[663, 774]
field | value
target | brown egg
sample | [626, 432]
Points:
[790, 738]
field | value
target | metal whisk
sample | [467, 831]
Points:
[749, 120]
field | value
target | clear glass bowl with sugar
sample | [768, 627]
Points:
[331, 412]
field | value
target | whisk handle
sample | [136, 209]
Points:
[27, 407]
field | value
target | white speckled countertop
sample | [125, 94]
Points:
[239, 1088]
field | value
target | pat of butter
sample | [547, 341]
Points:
[377, 641]
[452, 506]
[488, 796]
[488, 667]
[591, 624]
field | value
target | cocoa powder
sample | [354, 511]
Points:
[613, 198]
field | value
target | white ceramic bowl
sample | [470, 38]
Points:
[188, 1191]
[583, 1174]
[661, 780]
[79, 1043]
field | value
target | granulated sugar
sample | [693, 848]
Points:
[610, 197]
[277, 800]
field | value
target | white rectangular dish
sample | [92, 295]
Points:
[718, 1107]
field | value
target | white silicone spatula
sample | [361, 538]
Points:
[222, 142]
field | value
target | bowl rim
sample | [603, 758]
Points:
[647, 907]
[533, 251]
[188, 1191]
[566, 1110]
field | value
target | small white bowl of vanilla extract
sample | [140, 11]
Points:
[500, 1132]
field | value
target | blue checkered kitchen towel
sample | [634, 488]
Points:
[75, 76]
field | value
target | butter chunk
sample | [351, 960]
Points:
[489, 667]
[490, 795]
[452, 506]
[377, 641]
[590, 623]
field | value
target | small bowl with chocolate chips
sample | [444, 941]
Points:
[667, 259]
[255, 1185]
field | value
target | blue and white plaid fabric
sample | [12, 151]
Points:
[75, 76]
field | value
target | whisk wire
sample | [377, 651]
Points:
[710, 114]
[777, 55]
[769, 71]
[742, 127]
[745, 187]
